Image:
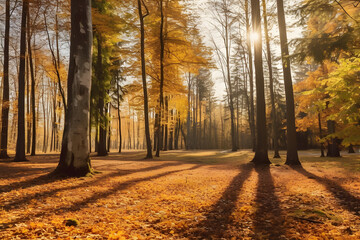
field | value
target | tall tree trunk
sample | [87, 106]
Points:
[292, 157]
[171, 130]
[45, 123]
[321, 136]
[166, 124]
[143, 74]
[99, 75]
[351, 149]
[133, 128]
[90, 128]
[109, 128]
[177, 131]
[196, 109]
[20, 142]
[119, 116]
[74, 157]
[156, 125]
[261, 154]
[210, 122]
[162, 47]
[5, 100]
[97, 133]
[188, 118]
[333, 146]
[227, 42]
[251, 81]
[32, 94]
[271, 80]
[28, 114]
[52, 142]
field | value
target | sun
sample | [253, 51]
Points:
[254, 36]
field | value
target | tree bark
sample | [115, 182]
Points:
[5, 100]
[272, 96]
[188, 118]
[74, 157]
[333, 146]
[32, 94]
[99, 75]
[321, 136]
[166, 124]
[251, 77]
[108, 129]
[143, 75]
[261, 154]
[28, 113]
[119, 117]
[351, 149]
[292, 157]
[20, 142]
[162, 47]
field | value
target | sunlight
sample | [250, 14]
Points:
[254, 36]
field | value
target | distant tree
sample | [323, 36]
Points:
[74, 157]
[225, 19]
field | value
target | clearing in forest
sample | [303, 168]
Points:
[183, 195]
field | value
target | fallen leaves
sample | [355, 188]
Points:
[177, 200]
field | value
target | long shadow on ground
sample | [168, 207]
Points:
[219, 217]
[268, 220]
[46, 179]
[344, 198]
[78, 205]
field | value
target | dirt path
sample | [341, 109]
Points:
[182, 195]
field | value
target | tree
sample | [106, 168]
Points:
[261, 154]
[271, 85]
[143, 75]
[251, 81]
[20, 142]
[224, 17]
[292, 157]
[74, 157]
[161, 93]
[5, 100]
[32, 77]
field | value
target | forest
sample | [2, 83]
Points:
[180, 119]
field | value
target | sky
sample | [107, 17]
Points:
[208, 31]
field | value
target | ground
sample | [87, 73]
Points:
[183, 195]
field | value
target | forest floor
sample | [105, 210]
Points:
[183, 195]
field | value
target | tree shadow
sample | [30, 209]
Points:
[48, 179]
[344, 198]
[219, 218]
[268, 220]
[78, 205]
[12, 172]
